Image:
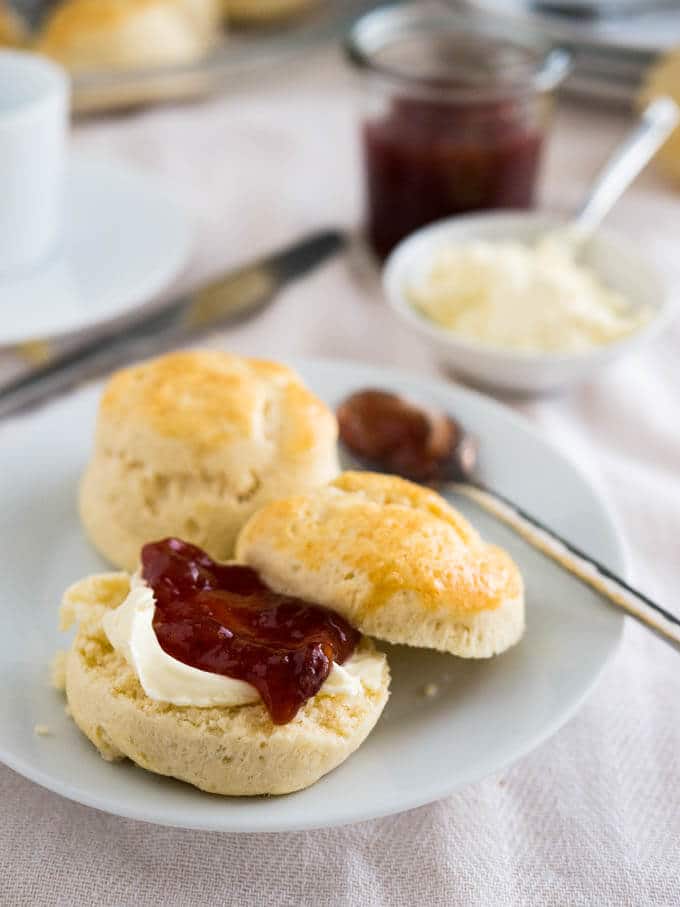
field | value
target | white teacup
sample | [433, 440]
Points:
[34, 106]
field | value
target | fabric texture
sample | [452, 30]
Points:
[593, 815]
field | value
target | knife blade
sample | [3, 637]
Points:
[232, 297]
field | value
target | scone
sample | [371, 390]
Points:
[261, 12]
[129, 34]
[192, 443]
[663, 79]
[395, 560]
[234, 750]
[13, 29]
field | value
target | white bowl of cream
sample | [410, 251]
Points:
[516, 302]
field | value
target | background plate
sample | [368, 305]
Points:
[486, 715]
[124, 241]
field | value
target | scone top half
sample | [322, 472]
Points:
[395, 560]
[191, 443]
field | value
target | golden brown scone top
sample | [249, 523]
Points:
[208, 399]
[379, 536]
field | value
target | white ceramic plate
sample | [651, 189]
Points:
[124, 241]
[487, 714]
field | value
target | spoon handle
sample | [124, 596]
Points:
[657, 121]
[571, 558]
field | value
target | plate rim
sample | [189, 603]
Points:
[424, 795]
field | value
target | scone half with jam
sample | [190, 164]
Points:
[198, 671]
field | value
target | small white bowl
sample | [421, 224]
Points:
[615, 259]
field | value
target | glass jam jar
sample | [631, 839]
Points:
[454, 117]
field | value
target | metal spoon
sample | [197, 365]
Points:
[390, 433]
[656, 122]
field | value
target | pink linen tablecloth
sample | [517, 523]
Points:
[592, 816]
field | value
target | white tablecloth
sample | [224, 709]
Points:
[593, 816]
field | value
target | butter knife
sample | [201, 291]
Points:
[234, 296]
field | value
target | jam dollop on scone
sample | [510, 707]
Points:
[190, 444]
[393, 558]
[198, 670]
[223, 619]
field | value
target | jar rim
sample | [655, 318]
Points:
[544, 68]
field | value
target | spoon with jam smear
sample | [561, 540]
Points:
[390, 433]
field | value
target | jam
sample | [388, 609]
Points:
[224, 619]
[425, 160]
[391, 433]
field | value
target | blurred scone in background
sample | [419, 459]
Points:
[192, 443]
[121, 34]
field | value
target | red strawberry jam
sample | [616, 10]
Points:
[426, 160]
[224, 619]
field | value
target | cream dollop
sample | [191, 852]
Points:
[532, 298]
[130, 631]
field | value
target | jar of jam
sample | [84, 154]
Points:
[454, 117]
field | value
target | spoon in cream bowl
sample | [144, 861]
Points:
[529, 303]
[390, 433]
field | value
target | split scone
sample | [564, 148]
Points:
[133, 700]
[192, 443]
[394, 559]
[129, 34]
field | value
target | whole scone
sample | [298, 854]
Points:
[192, 443]
[121, 34]
[236, 750]
[394, 559]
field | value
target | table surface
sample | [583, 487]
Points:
[592, 816]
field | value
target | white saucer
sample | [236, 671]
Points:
[124, 241]
[486, 713]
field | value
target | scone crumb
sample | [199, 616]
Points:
[58, 670]
[42, 730]
[430, 690]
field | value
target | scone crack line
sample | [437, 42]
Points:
[164, 485]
